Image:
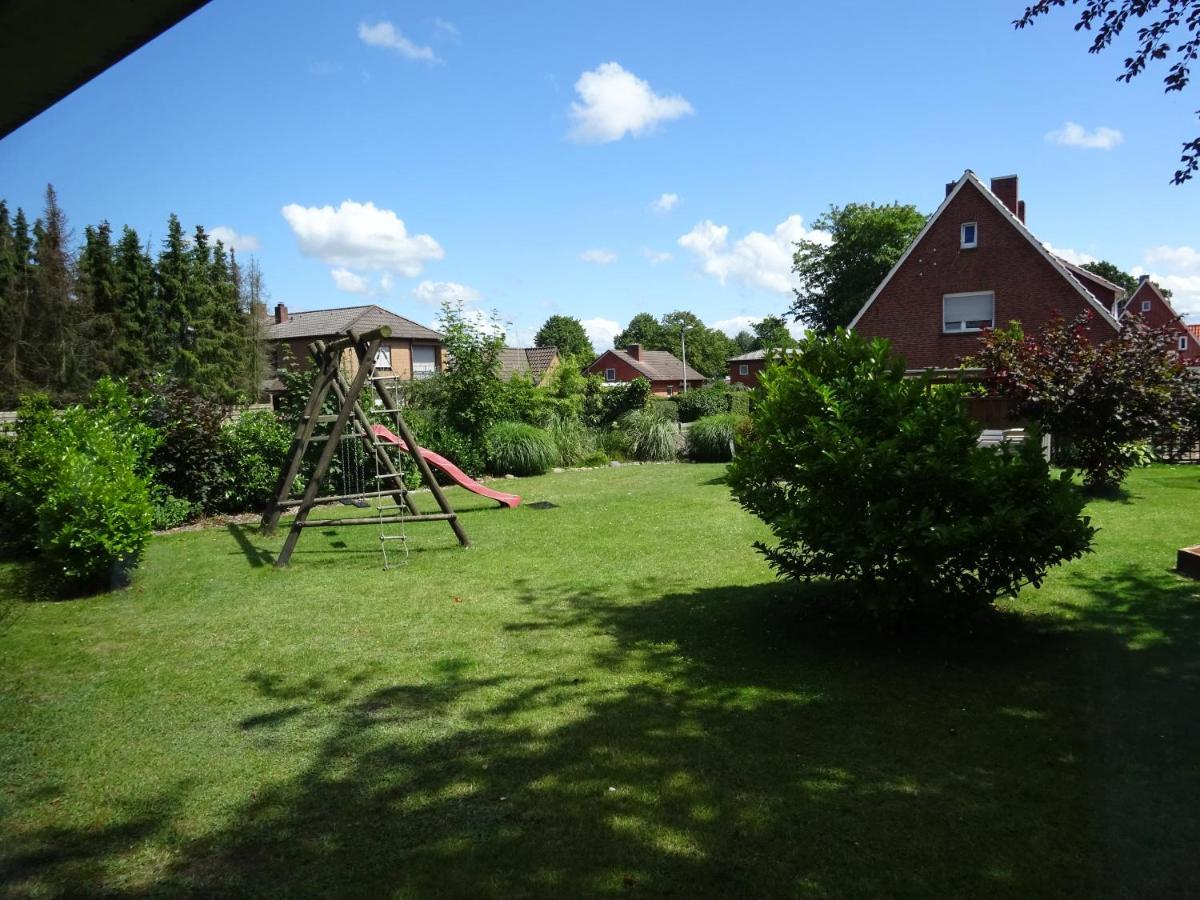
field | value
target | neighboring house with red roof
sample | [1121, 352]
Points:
[412, 351]
[664, 370]
[538, 363]
[1155, 310]
[975, 265]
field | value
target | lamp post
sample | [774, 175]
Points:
[683, 330]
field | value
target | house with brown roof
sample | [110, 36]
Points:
[976, 265]
[1149, 304]
[664, 370]
[412, 351]
[537, 363]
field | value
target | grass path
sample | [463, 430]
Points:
[609, 697]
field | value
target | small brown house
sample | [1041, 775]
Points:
[412, 351]
[664, 370]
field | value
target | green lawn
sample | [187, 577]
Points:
[610, 697]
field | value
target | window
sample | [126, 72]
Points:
[1145, 306]
[970, 235]
[744, 369]
[424, 360]
[610, 375]
[1183, 342]
[968, 312]
[383, 359]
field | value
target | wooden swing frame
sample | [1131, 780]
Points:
[329, 377]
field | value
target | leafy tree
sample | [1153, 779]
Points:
[1098, 400]
[708, 349]
[642, 329]
[472, 388]
[1112, 273]
[1110, 17]
[837, 278]
[567, 334]
[772, 334]
[744, 341]
[876, 483]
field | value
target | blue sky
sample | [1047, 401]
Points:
[399, 152]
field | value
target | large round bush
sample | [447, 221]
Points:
[652, 437]
[515, 448]
[876, 482]
[711, 439]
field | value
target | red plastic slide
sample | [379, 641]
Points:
[457, 475]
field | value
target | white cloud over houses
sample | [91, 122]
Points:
[1072, 134]
[599, 256]
[438, 292]
[614, 102]
[1184, 259]
[757, 259]
[1074, 257]
[242, 243]
[350, 282]
[388, 36]
[360, 236]
[601, 332]
[665, 203]
[657, 257]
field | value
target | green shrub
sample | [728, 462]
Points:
[572, 440]
[433, 432]
[710, 400]
[668, 409]
[615, 443]
[169, 511]
[595, 458]
[652, 438]
[738, 399]
[188, 462]
[252, 452]
[519, 449]
[710, 439]
[604, 403]
[877, 483]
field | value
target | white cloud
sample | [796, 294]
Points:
[1074, 257]
[599, 256]
[1072, 134]
[232, 240]
[615, 103]
[657, 256]
[385, 282]
[438, 292]
[665, 203]
[350, 282]
[446, 28]
[360, 236]
[601, 332]
[1184, 258]
[758, 259]
[745, 323]
[385, 34]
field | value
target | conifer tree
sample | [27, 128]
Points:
[96, 298]
[172, 322]
[50, 352]
[136, 318]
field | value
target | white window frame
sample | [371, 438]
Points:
[425, 368]
[383, 358]
[962, 236]
[744, 369]
[1183, 342]
[1146, 304]
[610, 375]
[964, 329]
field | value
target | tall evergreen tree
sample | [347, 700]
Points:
[172, 321]
[137, 322]
[10, 326]
[51, 350]
[97, 304]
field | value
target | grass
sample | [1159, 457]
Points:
[608, 697]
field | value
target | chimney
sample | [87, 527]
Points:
[634, 350]
[1021, 211]
[1005, 189]
[950, 186]
[1142, 279]
[281, 314]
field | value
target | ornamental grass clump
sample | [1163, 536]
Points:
[875, 484]
[573, 441]
[652, 436]
[514, 448]
[711, 439]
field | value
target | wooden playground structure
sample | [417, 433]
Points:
[349, 424]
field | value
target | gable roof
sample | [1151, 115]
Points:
[760, 354]
[326, 322]
[969, 177]
[531, 361]
[1154, 289]
[656, 365]
[1087, 274]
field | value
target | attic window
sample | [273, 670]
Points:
[970, 235]
[1183, 342]
[1145, 306]
[383, 358]
[968, 312]
[610, 375]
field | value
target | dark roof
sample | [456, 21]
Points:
[327, 322]
[760, 354]
[531, 361]
[656, 365]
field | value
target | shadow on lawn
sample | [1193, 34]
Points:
[717, 747]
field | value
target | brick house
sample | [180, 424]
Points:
[744, 369]
[975, 265]
[1155, 310]
[412, 351]
[664, 370]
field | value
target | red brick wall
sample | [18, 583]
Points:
[1027, 288]
[1160, 315]
[754, 366]
[1100, 291]
[626, 372]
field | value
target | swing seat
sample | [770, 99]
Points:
[355, 501]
